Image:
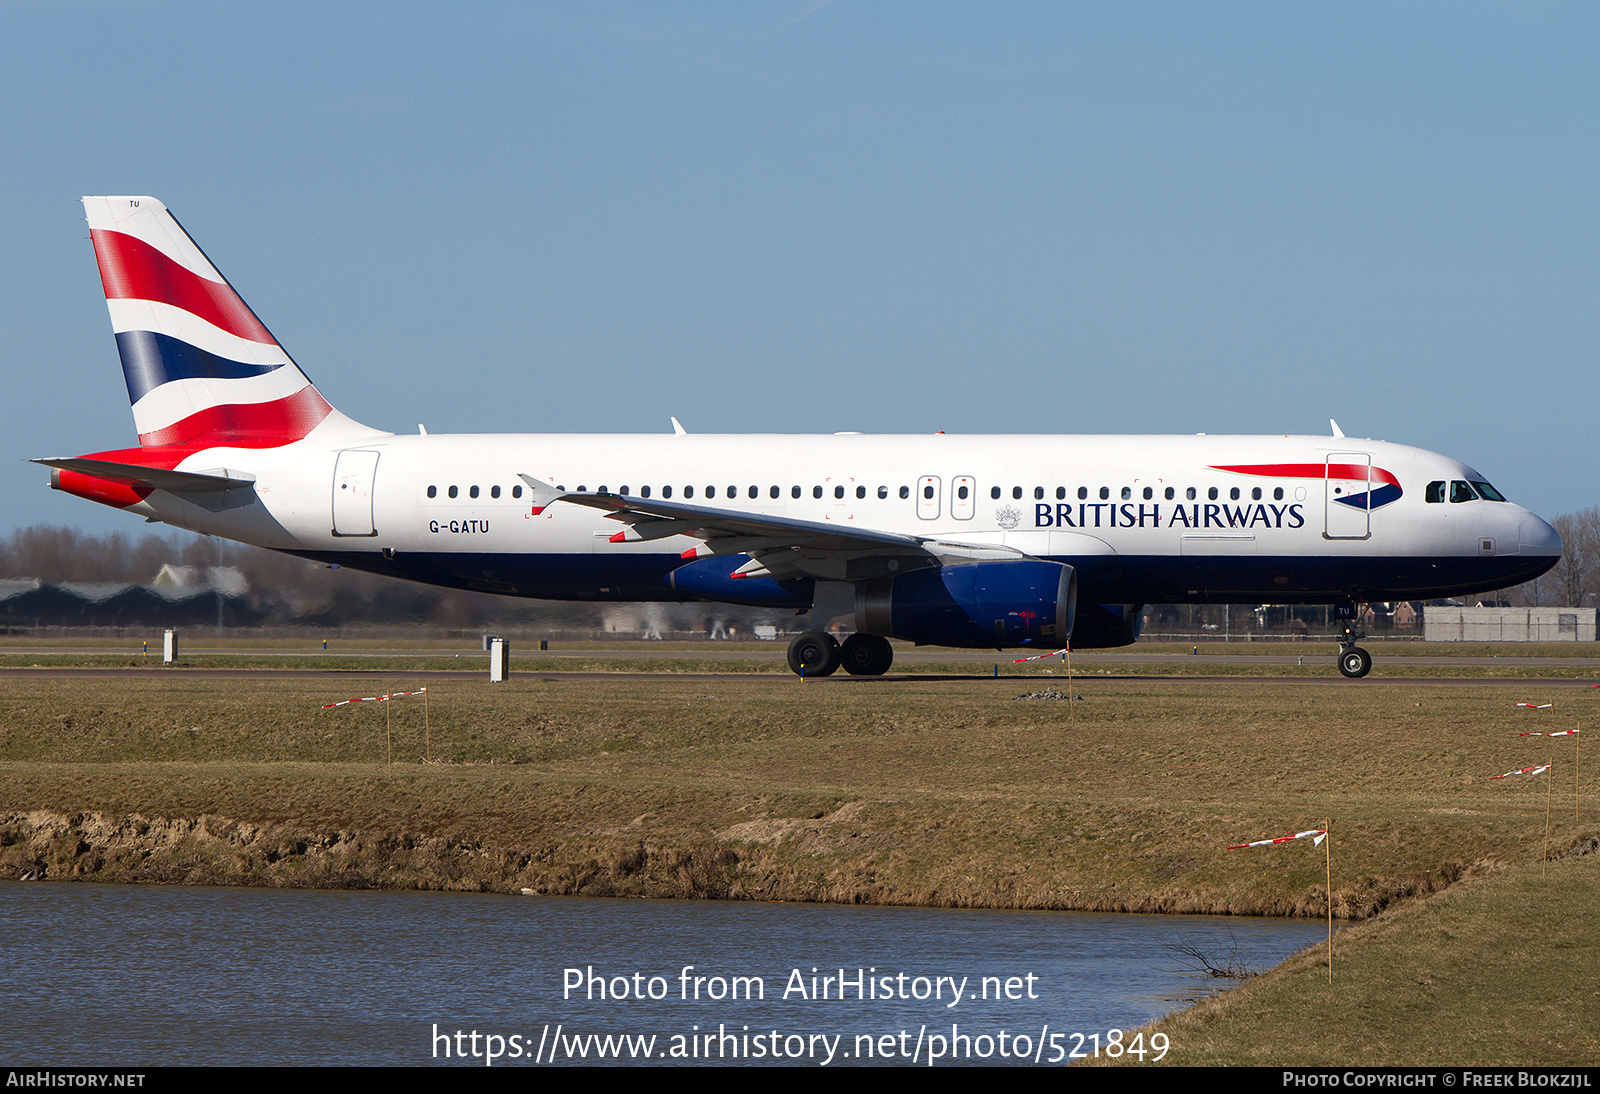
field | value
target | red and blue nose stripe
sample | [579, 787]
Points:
[1352, 472]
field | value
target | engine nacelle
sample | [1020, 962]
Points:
[712, 579]
[975, 605]
[1102, 626]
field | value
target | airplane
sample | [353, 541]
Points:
[1003, 542]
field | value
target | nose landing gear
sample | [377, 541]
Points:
[1354, 662]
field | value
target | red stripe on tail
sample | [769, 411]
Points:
[131, 269]
[247, 425]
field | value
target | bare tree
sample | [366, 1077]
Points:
[1576, 573]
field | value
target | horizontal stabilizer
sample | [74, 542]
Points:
[159, 478]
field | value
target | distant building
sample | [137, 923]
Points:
[1442, 624]
[227, 580]
[28, 603]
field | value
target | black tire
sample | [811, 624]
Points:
[866, 655]
[1355, 662]
[814, 654]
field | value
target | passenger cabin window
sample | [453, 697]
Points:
[1127, 493]
[1105, 492]
[838, 491]
[816, 491]
[453, 491]
[433, 491]
[1083, 492]
[905, 492]
[1148, 493]
[883, 492]
[794, 491]
[1171, 493]
[1189, 493]
[494, 491]
[1255, 493]
[644, 491]
[994, 492]
[1435, 492]
[1061, 493]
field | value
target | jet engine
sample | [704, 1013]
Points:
[973, 605]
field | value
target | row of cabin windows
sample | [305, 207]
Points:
[472, 491]
[1461, 490]
[732, 492]
[1148, 493]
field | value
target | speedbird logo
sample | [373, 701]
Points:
[1374, 497]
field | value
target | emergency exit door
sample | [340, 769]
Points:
[353, 475]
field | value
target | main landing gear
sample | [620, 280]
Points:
[817, 654]
[1354, 662]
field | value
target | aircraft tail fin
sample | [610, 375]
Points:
[201, 368]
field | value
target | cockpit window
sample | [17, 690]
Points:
[1435, 493]
[1489, 492]
[1462, 491]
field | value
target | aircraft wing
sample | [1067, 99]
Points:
[159, 478]
[779, 546]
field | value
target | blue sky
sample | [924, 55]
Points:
[808, 217]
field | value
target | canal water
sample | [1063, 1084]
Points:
[128, 976]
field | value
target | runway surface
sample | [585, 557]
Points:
[1006, 679]
[530, 663]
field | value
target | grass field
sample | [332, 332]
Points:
[952, 792]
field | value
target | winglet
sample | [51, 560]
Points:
[543, 493]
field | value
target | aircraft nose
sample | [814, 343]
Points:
[1538, 538]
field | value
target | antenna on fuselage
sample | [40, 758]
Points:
[677, 427]
[1337, 432]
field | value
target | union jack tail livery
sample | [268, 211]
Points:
[201, 369]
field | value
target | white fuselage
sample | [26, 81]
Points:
[1149, 519]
